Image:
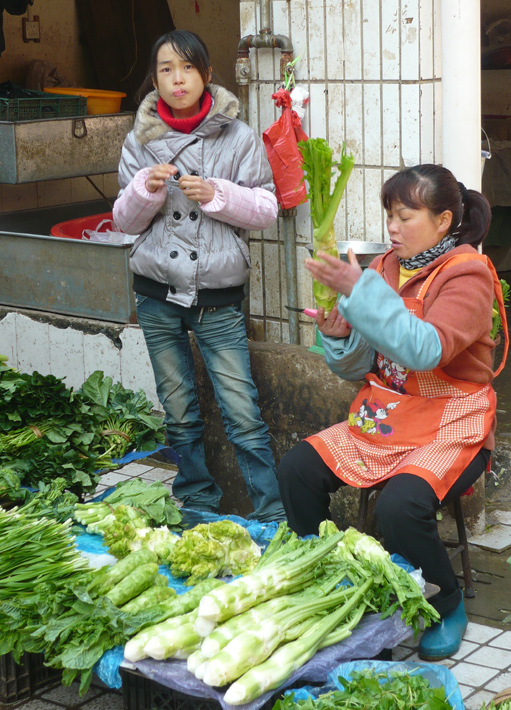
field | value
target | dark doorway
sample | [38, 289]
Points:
[119, 35]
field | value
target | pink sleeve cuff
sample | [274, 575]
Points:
[136, 207]
[245, 207]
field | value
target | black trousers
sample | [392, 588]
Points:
[405, 513]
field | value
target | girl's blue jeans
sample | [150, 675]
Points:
[222, 341]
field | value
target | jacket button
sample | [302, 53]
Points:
[177, 175]
[194, 172]
[176, 215]
[193, 216]
[172, 289]
[173, 254]
[193, 256]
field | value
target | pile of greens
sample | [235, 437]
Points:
[52, 602]
[368, 690]
[48, 430]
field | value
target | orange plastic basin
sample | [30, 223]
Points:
[98, 100]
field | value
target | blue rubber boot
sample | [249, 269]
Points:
[443, 639]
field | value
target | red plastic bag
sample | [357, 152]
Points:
[280, 140]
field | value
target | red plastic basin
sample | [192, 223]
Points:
[73, 228]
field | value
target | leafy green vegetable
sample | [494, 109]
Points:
[152, 500]
[496, 320]
[376, 560]
[319, 169]
[126, 416]
[213, 550]
[48, 430]
[150, 597]
[10, 484]
[368, 690]
[107, 580]
[51, 501]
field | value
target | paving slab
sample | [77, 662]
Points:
[135, 469]
[497, 539]
[478, 633]
[502, 641]
[503, 516]
[478, 700]
[490, 657]
[469, 673]
[159, 474]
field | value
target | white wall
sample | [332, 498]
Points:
[373, 72]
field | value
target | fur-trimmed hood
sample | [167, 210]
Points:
[149, 126]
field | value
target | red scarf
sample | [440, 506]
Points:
[184, 125]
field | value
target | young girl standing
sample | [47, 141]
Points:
[193, 179]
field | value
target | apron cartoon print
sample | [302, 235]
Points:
[425, 423]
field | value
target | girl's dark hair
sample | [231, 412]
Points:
[436, 188]
[188, 45]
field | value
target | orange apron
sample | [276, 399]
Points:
[424, 423]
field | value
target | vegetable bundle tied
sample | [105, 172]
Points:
[319, 169]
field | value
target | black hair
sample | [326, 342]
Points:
[188, 46]
[436, 188]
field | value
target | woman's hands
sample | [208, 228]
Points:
[333, 272]
[334, 324]
[194, 187]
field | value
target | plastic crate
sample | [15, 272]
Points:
[141, 693]
[20, 681]
[42, 105]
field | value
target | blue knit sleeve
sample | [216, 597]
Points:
[351, 358]
[382, 319]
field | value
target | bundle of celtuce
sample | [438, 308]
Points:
[302, 596]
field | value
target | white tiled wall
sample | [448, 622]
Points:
[372, 68]
[73, 354]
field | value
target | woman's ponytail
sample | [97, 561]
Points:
[475, 221]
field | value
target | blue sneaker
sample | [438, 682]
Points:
[443, 639]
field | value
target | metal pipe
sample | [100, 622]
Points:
[265, 16]
[289, 236]
[265, 39]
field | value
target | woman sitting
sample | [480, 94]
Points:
[417, 325]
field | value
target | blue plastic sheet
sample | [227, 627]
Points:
[437, 675]
[166, 451]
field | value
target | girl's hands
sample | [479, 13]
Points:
[196, 189]
[331, 271]
[334, 324]
[157, 176]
